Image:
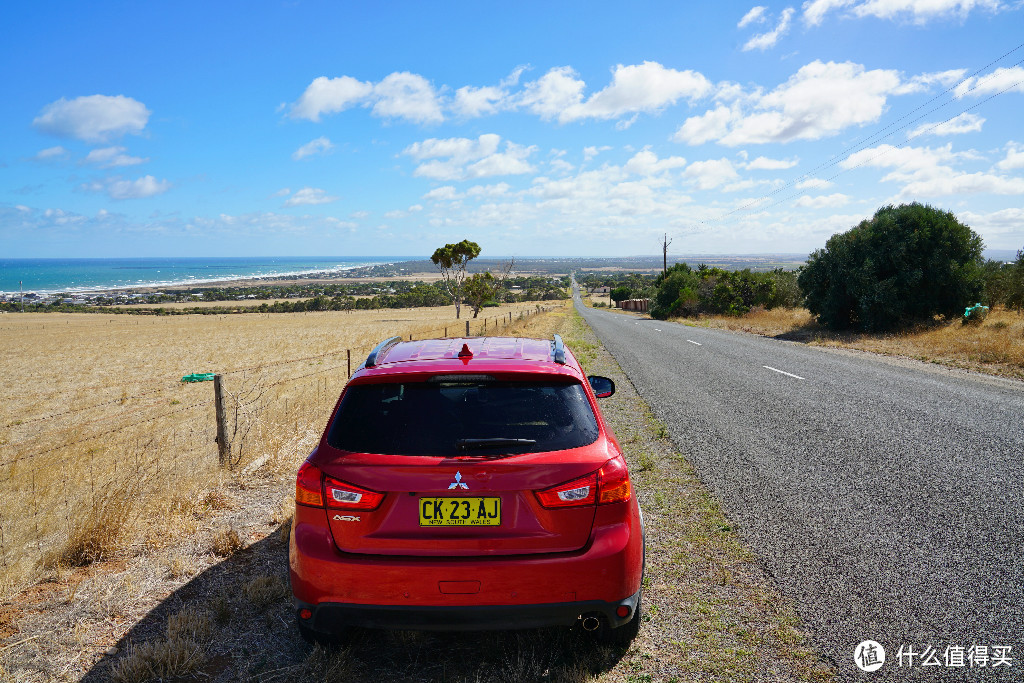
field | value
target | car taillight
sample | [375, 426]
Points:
[610, 484]
[308, 490]
[341, 495]
[614, 483]
[582, 491]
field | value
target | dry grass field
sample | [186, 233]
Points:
[104, 452]
[194, 583]
[994, 346]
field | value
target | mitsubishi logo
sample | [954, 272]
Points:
[458, 483]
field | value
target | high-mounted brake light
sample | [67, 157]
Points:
[610, 484]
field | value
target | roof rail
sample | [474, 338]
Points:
[559, 355]
[378, 351]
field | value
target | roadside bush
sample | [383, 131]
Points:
[905, 265]
[687, 292]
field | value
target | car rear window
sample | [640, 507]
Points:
[449, 418]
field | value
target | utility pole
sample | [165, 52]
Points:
[22, 290]
[664, 255]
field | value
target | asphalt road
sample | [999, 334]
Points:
[886, 499]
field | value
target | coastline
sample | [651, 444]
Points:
[81, 282]
[278, 281]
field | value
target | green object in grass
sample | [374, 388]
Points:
[199, 377]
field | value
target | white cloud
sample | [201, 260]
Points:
[814, 184]
[711, 173]
[754, 16]
[647, 87]
[283, 192]
[443, 193]
[964, 123]
[359, 215]
[820, 100]
[512, 161]
[112, 157]
[927, 172]
[330, 96]
[1014, 157]
[119, 188]
[646, 163]
[552, 93]
[308, 196]
[922, 10]
[472, 102]
[321, 145]
[461, 158]
[1003, 79]
[763, 41]
[923, 82]
[918, 11]
[822, 201]
[561, 166]
[591, 152]
[400, 95]
[52, 154]
[495, 190]
[711, 125]
[815, 10]
[998, 223]
[408, 96]
[766, 164]
[93, 118]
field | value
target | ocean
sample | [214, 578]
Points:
[47, 276]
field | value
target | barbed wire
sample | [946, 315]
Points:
[505, 320]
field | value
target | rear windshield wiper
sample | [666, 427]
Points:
[496, 442]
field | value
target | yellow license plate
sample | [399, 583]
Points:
[460, 511]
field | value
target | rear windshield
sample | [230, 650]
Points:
[449, 418]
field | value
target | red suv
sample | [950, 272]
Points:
[466, 484]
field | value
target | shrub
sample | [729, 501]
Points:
[905, 265]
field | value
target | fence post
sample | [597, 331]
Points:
[348, 355]
[223, 445]
[467, 328]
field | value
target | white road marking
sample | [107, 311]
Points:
[782, 372]
[656, 329]
[693, 342]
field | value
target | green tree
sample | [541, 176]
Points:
[479, 289]
[1015, 285]
[621, 294]
[906, 264]
[451, 260]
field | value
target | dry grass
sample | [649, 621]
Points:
[104, 453]
[180, 613]
[995, 346]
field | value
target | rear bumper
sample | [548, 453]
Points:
[334, 617]
[485, 592]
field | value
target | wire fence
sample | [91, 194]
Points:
[67, 472]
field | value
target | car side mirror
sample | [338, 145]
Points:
[602, 386]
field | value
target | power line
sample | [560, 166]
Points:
[880, 135]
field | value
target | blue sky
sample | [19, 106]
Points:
[534, 129]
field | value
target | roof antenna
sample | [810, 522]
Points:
[465, 352]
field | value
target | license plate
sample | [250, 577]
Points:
[460, 511]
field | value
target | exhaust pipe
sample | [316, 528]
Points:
[591, 623]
